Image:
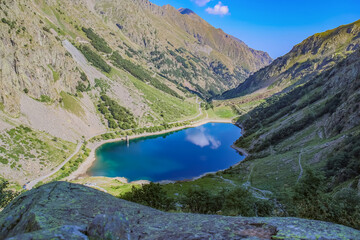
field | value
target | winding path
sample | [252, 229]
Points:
[32, 183]
[228, 180]
[301, 168]
[200, 113]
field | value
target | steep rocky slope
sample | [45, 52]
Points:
[72, 70]
[307, 59]
[184, 47]
[315, 125]
[69, 211]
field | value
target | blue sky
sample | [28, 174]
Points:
[274, 26]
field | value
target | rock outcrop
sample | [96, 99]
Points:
[62, 210]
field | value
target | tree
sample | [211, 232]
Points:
[239, 202]
[201, 201]
[6, 195]
[112, 123]
[151, 195]
[309, 198]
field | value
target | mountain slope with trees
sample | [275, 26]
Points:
[72, 70]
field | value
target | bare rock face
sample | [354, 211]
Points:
[31, 58]
[113, 226]
[62, 210]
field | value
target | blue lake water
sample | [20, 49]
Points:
[180, 155]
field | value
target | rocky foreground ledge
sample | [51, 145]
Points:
[62, 210]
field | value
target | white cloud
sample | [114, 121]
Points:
[200, 138]
[215, 144]
[201, 3]
[219, 9]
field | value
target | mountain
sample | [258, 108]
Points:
[186, 11]
[68, 211]
[76, 73]
[76, 69]
[306, 60]
[181, 48]
[311, 130]
[180, 36]
[300, 132]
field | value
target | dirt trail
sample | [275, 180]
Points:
[31, 184]
[301, 168]
[228, 180]
[200, 113]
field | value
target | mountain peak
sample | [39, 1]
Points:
[186, 11]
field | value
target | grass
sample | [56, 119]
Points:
[280, 170]
[56, 75]
[225, 112]
[62, 27]
[24, 149]
[44, 98]
[244, 104]
[71, 166]
[71, 104]
[212, 182]
[113, 186]
[166, 108]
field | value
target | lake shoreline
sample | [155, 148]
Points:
[242, 151]
[90, 160]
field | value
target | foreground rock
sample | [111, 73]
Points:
[63, 210]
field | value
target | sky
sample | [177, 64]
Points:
[274, 26]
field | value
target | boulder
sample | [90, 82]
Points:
[62, 210]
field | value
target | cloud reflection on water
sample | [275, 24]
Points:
[199, 137]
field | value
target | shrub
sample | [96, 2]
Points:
[151, 195]
[344, 163]
[102, 84]
[201, 201]
[96, 41]
[116, 115]
[311, 201]
[81, 87]
[45, 98]
[11, 24]
[6, 195]
[239, 202]
[95, 59]
[140, 73]
[46, 29]
[4, 160]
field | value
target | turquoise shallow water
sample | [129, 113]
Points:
[180, 155]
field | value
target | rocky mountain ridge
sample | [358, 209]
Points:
[165, 29]
[63, 210]
[22, 40]
[307, 59]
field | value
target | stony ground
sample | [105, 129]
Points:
[63, 210]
